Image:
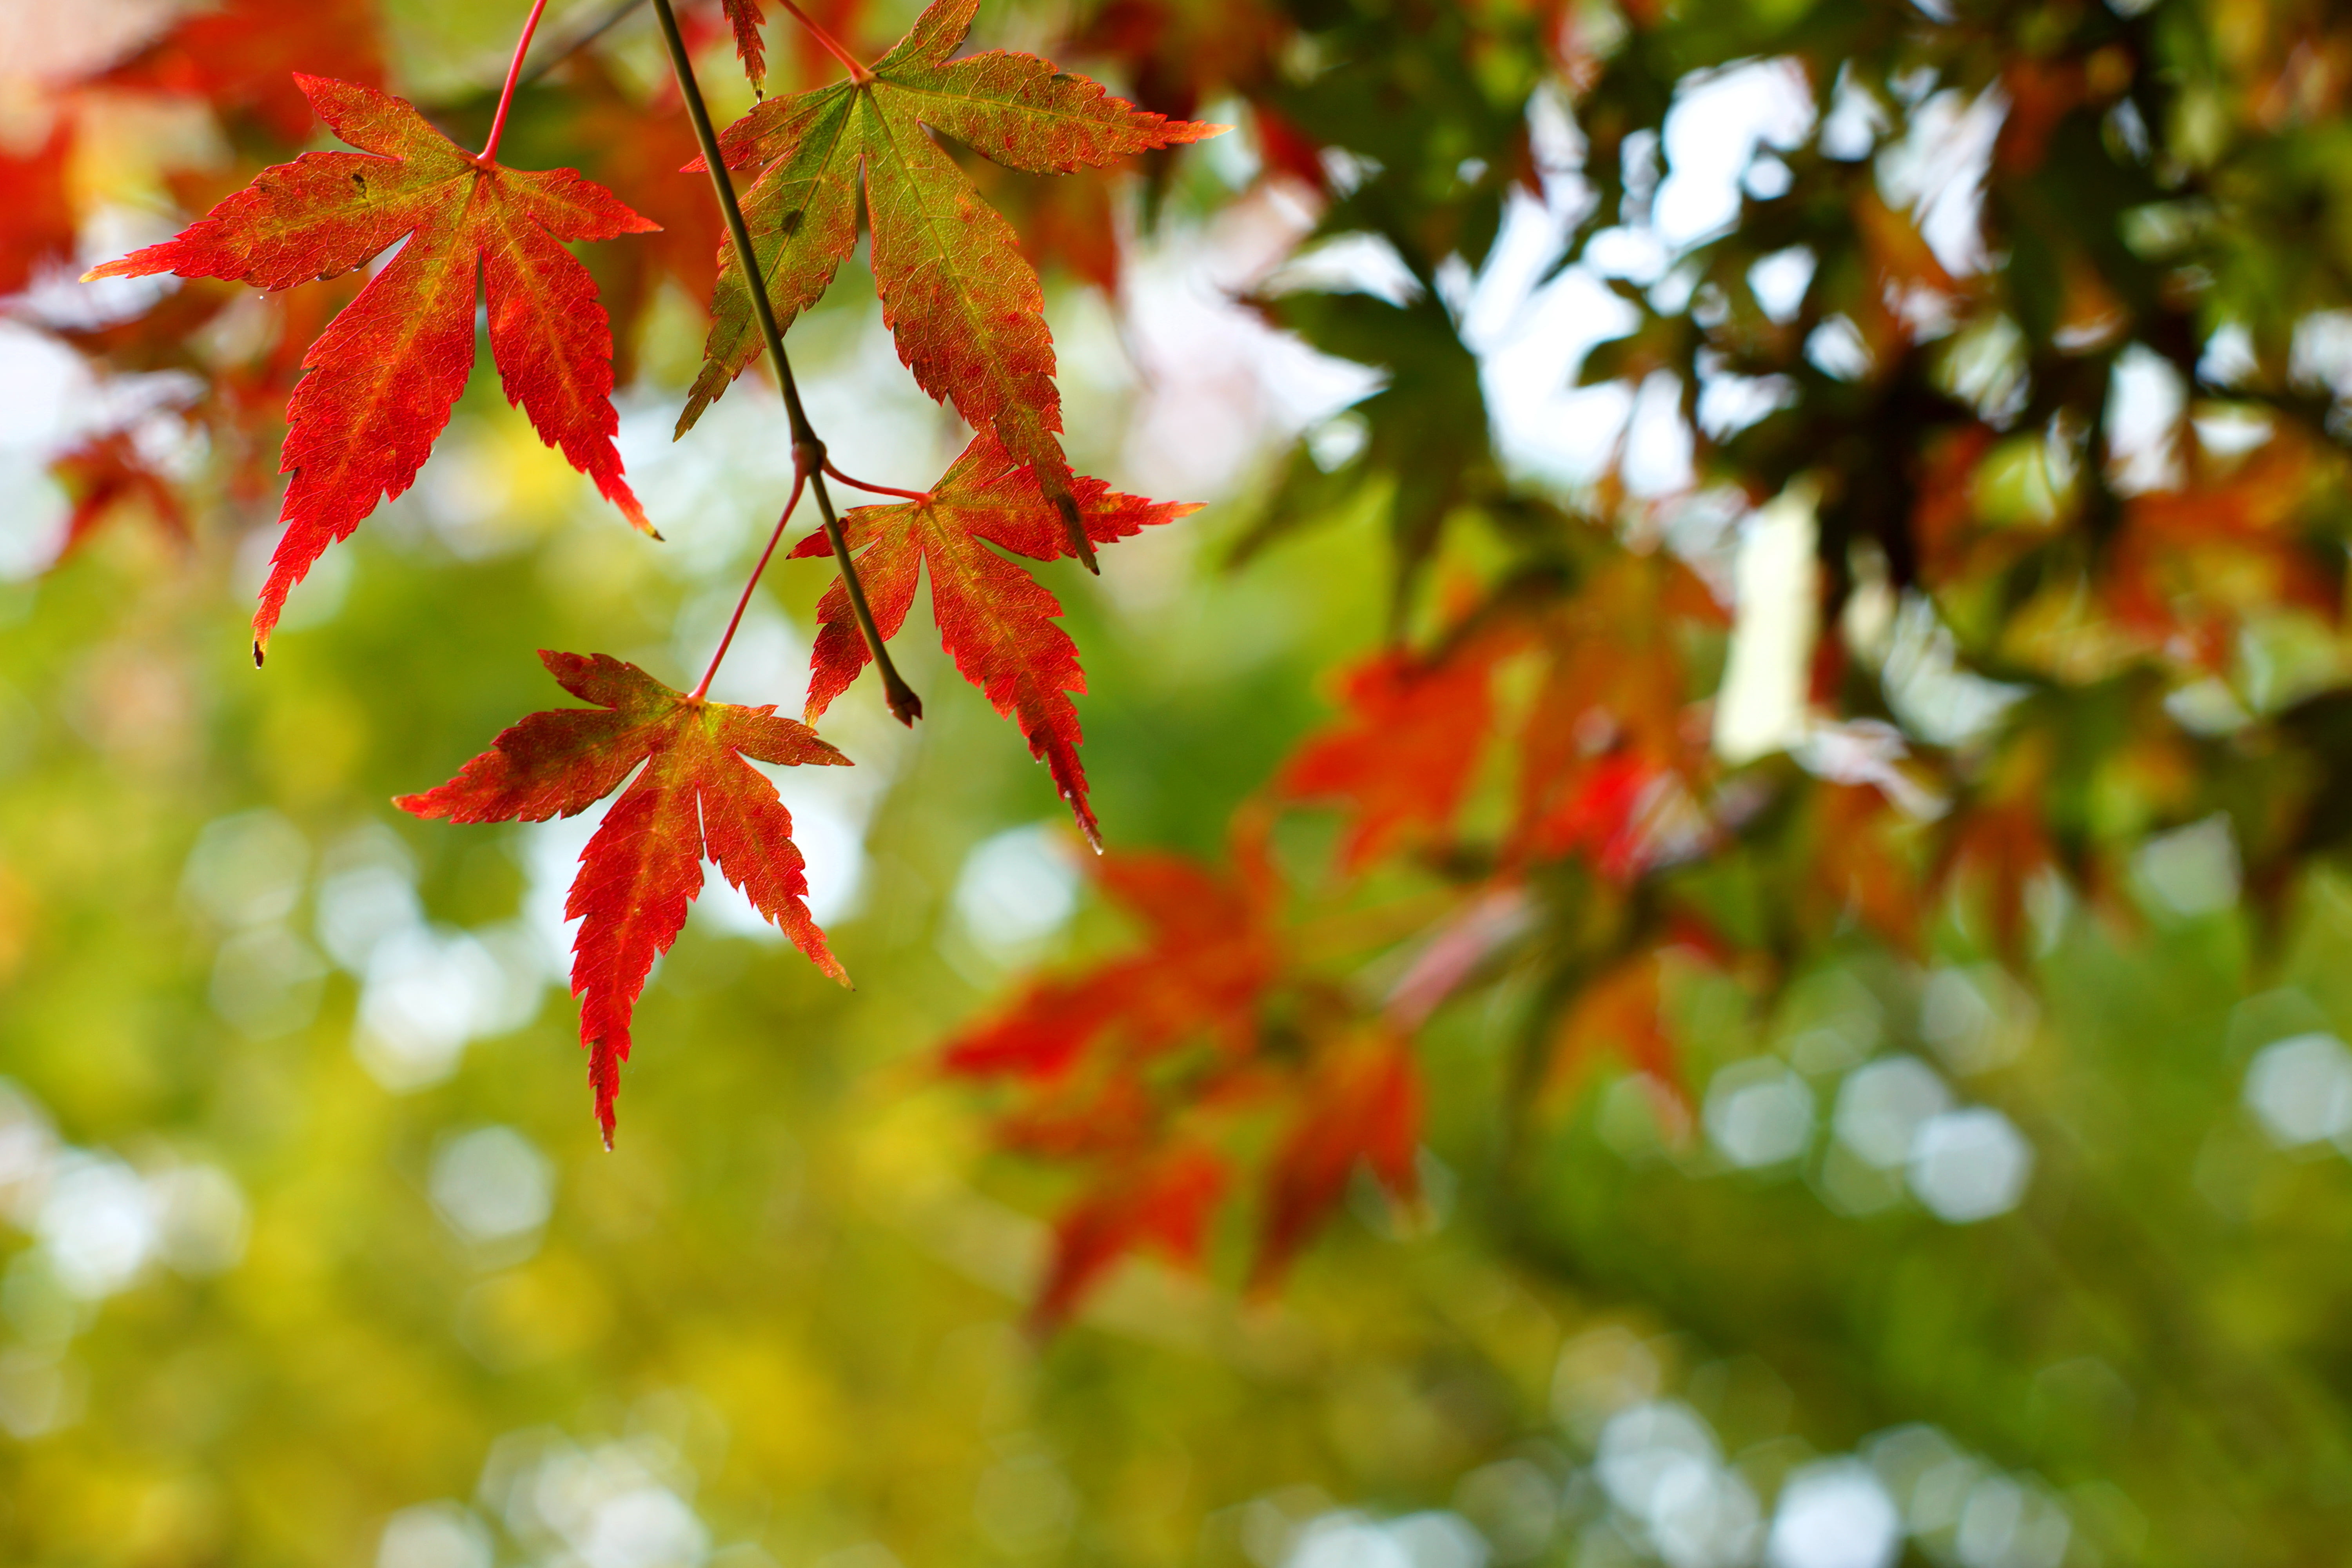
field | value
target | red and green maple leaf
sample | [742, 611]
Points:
[964, 305]
[995, 619]
[383, 377]
[697, 798]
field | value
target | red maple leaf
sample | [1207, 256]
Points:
[37, 220]
[383, 375]
[1360, 1105]
[697, 798]
[1209, 954]
[992, 617]
[1607, 742]
[964, 305]
[1165, 1198]
[241, 58]
[1402, 757]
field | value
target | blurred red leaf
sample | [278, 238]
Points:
[106, 472]
[1360, 1106]
[1209, 953]
[1402, 759]
[1164, 1200]
[241, 58]
[37, 219]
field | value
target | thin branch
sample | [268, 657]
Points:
[703, 689]
[877, 490]
[514, 74]
[808, 452]
[612, 17]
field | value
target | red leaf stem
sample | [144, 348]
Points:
[514, 74]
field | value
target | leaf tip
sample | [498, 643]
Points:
[260, 651]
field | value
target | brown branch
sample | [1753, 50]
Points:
[808, 452]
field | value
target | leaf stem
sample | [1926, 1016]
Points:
[877, 490]
[703, 689]
[808, 452]
[514, 74]
[612, 17]
[828, 43]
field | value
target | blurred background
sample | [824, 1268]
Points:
[1914, 1129]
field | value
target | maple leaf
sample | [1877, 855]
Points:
[965, 307]
[1361, 1105]
[993, 617]
[1209, 954]
[696, 798]
[1165, 1198]
[242, 57]
[383, 377]
[1607, 752]
[1403, 755]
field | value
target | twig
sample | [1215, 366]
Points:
[808, 452]
[612, 17]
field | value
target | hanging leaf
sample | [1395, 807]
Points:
[696, 799]
[964, 305]
[383, 377]
[992, 617]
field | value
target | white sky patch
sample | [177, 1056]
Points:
[1214, 384]
[2144, 410]
[1720, 120]
[1937, 172]
[1761, 707]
